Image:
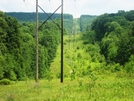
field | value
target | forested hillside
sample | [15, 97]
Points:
[69, 23]
[114, 33]
[86, 21]
[31, 17]
[17, 48]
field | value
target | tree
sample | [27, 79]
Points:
[114, 35]
[17, 48]
[88, 37]
[129, 66]
[86, 21]
[2, 61]
[3, 33]
[99, 27]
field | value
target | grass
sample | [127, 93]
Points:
[98, 85]
[105, 88]
[28, 91]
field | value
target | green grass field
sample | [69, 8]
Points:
[105, 88]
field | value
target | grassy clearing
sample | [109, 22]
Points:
[95, 85]
[105, 88]
[28, 91]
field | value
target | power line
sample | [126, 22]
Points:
[26, 5]
[50, 6]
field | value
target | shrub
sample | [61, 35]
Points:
[5, 82]
[48, 75]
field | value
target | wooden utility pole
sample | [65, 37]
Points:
[62, 32]
[36, 78]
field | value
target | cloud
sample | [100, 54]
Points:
[97, 7]
[75, 7]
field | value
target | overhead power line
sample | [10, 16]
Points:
[26, 5]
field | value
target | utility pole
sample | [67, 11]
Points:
[36, 78]
[62, 32]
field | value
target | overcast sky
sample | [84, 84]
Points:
[75, 7]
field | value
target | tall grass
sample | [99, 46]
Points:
[109, 88]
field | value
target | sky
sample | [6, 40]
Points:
[74, 7]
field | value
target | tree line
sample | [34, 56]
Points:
[82, 22]
[31, 17]
[17, 48]
[114, 33]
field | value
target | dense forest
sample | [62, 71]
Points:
[17, 48]
[31, 17]
[114, 33]
[108, 40]
[69, 22]
[86, 21]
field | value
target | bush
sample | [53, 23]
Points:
[5, 82]
[49, 75]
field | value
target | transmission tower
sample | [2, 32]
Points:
[62, 31]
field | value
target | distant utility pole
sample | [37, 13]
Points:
[36, 78]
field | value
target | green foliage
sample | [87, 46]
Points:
[49, 75]
[97, 60]
[93, 76]
[1, 66]
[3, 33]
[85, 22]
[17, 48]
[109, 46]
[129, 66]
[5, 82]
[101, 24]
[98, 25]
[106, 44]
[114, 36]
[106, 87]
[88, 37]
[31, 17]
[129, 15]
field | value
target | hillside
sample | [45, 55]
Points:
[31, 17]
[86, 21]
[69, 23]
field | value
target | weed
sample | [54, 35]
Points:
[10, 97]
[5, 82]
